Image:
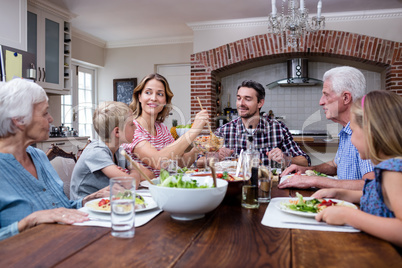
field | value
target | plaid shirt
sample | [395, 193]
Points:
[348, 162]
[268, 135]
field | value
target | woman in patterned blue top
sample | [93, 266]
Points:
[31, 192]
[377, 134]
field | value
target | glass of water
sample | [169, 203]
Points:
[286, 160]
[170, 165]
[122, 201]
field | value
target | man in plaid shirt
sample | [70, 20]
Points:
[271, 137]
[342, 85]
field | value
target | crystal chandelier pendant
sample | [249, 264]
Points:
[295, 24]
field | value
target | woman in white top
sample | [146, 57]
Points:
[152, 140]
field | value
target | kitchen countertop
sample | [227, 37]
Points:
[316, 142]
[67, 138]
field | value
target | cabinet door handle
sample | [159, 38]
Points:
[40, 74]
[60, 143]
[44, 74]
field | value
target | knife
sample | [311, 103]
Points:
[239, 163]
[321, 224]
[99, 219]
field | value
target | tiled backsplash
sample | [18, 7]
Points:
[298, 105]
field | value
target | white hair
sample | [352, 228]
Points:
[346, 78]
[17, 99]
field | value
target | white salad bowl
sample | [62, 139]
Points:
[189, 204]
[180, 131]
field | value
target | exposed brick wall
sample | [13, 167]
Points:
[332, 44]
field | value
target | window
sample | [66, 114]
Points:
[77, 108]
[66, 111]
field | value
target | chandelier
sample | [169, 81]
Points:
[296, 22]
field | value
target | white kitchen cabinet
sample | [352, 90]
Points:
[49, 38]
[68, 144]
[13, 21]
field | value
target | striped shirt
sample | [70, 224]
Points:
[349, 164]
[268, 135]
[21, 193]
[162, 139]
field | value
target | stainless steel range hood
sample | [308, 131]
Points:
[297, 75]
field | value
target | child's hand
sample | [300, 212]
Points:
[334, 215]
[326, 193]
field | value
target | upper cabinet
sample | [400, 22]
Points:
[14, 23]
[50, 39]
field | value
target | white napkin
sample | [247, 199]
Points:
[274, 217]
[141, 218]
[103, 219]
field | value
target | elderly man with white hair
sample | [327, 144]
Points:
[342, 85]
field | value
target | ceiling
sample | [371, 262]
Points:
[129, 20]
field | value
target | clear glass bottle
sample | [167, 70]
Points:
[251, 159]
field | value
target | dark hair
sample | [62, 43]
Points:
[256, 86]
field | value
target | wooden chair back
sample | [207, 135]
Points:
[63, 163]
[81, 150]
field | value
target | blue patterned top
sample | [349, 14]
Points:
[349, 164]
[21, 193]
[372, 200]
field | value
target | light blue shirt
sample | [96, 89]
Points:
[87, 177]
[21, 193]
[349, 164]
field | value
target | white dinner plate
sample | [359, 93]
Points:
[146, 183]
[282, 206]
[284, 178]
[149, 204]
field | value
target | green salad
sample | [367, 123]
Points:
[177, 181]
[303, 205]
[315, 173]
[182, 170]
[139, 200]
[184, 126]
[311, 206]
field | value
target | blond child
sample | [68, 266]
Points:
[377, 134]
[101, 159]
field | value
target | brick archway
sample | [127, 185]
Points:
[331, 44]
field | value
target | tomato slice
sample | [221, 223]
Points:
[327, 203]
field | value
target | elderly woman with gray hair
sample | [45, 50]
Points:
[31, 192]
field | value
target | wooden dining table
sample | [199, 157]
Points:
[229, 236]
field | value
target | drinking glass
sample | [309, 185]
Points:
[211, 158]
[286, 160]
[122, 201]
[170, 165]
[275, 169]
[264, 184]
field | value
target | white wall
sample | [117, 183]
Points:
[178, 76]
[137, 62]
